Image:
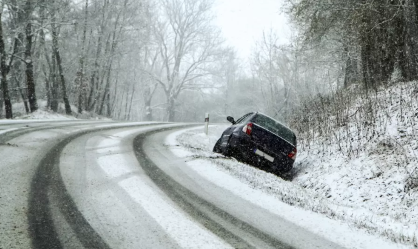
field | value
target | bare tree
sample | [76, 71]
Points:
[58, 60]
[188, 44]
[30, 79]
[230, 76]
[17, 26]
[377, 37]
[80, 73]
[4, 70]
[151, 64]
[112, 44]
[273, 66]
[122, 59]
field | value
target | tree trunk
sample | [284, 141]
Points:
[416, 11]
[109, 111]
[409, 36]
[91, 102]
[365, 53]
[55, 85]
[131, 102]
[94, 79]
[148, 98]
[30, 80]
[47, 87]
[62, 79]
[20, 19]
[4, 71]
[80, 73]
[60, 69]
[48, 76]
[106, 91]
[1, 103]
[108, 74]
[148, 110]
[17, 67]
[171, 109]
[22, 95]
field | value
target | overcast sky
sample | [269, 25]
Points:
[243, 21]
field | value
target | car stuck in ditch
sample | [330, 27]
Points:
[261, 141]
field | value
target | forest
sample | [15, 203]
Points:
[165, 60]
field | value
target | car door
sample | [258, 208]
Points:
[226, 135]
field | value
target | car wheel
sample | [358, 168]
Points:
[228, 149]
[287, 176]
[217, 147]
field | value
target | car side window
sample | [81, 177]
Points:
[243, 118]
[239, 120]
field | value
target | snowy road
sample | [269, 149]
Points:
[117, 185]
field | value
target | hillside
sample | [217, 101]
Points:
[367, 163]
[361, 171]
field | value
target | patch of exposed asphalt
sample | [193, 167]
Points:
[203, 211]
[47, 180]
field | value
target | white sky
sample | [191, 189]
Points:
[243, 21]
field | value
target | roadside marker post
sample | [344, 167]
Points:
[207, 123]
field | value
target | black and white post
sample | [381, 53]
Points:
[207, 123]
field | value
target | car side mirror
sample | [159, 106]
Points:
[230, 119]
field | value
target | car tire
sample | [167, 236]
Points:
[217, 147]
[228, 149]
[287, 176]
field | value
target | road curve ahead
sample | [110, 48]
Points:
[116, 185]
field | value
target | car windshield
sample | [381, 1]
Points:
[275, 127]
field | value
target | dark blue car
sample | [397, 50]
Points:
[261, 141]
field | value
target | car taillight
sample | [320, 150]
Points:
[292, 154]
[248, 128]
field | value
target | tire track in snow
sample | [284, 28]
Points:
[48, 180]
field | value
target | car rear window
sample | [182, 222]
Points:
[275, 127]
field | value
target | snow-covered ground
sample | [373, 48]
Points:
[42, 113]
[364, 175]
[46, 115]
[320, 191]
[368, 163]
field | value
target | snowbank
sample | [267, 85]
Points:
[369, 163]
[43, 114]
[46, 115]
[336, 189]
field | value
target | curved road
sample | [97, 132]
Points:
[78, 184]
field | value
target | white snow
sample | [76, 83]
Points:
[334, 231]
[309, 207]
[7, 130]
[43, 114]
[46, 115]
[187, 233]
[113, 159]
[367, 167]
[114, 165]
[109, 158]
